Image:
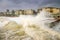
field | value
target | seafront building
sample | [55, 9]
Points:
[15, 13]
[29, 12]
[53, 10]
[19, 12]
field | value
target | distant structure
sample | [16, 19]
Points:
[53, 10]
[29, 12]
[25, 12]
[1, 14]
[7, 12]
[19, 12]
[15, 13]
[12, 13]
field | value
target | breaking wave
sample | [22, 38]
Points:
[29, 27]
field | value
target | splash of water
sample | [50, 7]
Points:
[36, 26]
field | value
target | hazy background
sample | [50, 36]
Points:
[27, 4]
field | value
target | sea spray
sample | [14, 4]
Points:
[33, 27]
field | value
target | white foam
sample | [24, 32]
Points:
[41, 20]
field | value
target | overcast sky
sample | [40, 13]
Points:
[27, 4]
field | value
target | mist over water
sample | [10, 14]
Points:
[35, 27]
